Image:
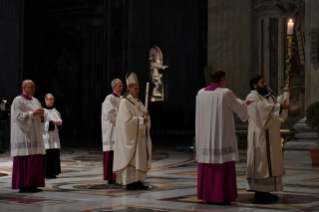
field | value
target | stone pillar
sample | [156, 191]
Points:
[312, 52]
[11, 48]
[271, 39]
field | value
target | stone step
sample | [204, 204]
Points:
[298, 145]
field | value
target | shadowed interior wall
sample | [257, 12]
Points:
[11, 48]
[231, 42]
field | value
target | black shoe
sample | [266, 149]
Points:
[51, 177]
[265, 196]
[141, 186]
[132, 186]
[35, 189]
[111, 182]
[24, 190]
[272, 197]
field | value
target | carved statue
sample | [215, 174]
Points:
[156, 77]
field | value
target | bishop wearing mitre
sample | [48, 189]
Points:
[133, 147]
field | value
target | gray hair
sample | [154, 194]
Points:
[46, 96]
[114, 82]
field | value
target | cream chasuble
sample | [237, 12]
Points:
[264, 154]
[51, 138]
[133, 147]
[110, 108]
[26, 129]
[215, 127]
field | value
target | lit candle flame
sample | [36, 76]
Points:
[5, 101]
[290, 21]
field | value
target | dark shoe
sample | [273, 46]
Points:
[35, 189]
[265, 196]
[272, 197]
[132, 186]
[50, 177]
[141, 186]
[24, 190]
[111, 182]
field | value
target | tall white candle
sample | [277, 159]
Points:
[290, 28]
[146, 95]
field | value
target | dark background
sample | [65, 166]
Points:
[74, 48]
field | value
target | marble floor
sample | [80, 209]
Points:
[173, 187]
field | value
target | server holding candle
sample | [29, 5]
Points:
[265, 165]
[133, 147]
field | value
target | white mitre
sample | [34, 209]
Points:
[131, 80]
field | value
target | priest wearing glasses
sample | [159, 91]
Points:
[52, 126]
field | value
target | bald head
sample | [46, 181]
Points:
[28, 87]
[26, 82]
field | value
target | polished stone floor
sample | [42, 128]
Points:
[173, 187]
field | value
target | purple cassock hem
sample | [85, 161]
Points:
[108, 166]
[217, 182]
[212, 87]
[27, 171]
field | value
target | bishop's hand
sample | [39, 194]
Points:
[59, 123]
[39, 112]
[145, 115]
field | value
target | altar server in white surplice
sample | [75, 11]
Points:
[110, 109]
[216, 144]
[264, 154]
[53, 124]
[133, 147]
[27, 147]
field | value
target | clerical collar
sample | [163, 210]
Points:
[49, 108]
[115, 94]
[26, 96]
[131, 97]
